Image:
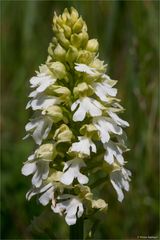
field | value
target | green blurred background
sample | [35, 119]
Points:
[128, 35]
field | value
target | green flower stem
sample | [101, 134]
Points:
[77, 230]
[98, 182]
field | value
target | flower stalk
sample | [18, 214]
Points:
[77, 230]
[76, 126]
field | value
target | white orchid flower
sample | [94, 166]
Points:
[72, 170]
[103, 90]
[106, 126]
[113, 151]
[86, 105]
[38, 167]
[41, 82]
[120, 180]
[80, 67]
[42, 102]
[84, 146]
[108, 80]
[117, 119]
[46, 189]
[47, 195]
[39, 128]
[71, 206]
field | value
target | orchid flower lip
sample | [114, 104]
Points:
[72, 170]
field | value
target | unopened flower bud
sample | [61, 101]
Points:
[54, 112]
[84, 37]
[51, 49]
[62, 39]
[55, 18]
[63, 93]
[63, 134]
[67, 17]
[72, 54]
[44, 69]
[76, 40]
[58, 69]
[84, 192]
[55, 28]
[59, 91]
[65, 14]
[82, 89]
[99, 204]
[45, 151]
[60, 22]
[59, 53]
[74, 15]
[78, 25]
[55, 176]
[52, 46]
[92, 45]
[98, 64]
[90, 131]
[67, 31]
[85, 56]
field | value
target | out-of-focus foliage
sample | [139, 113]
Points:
[128, 36]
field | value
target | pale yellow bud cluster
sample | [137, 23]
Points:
[72, 42]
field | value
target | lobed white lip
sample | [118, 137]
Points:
[86, 105]
[85, 146]
[120, 180]
[39, 128]
[41, 82]
[39, 169]
[47, 190]
[113, 153]
[104, 91]
[80, 67]
[118, 120]
[41, 102]
[106, 126]
[71, 206]
[71, 171]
